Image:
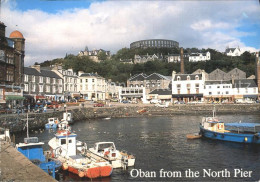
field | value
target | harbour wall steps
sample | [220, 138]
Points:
[17, 123]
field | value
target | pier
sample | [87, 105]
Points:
[14, 166]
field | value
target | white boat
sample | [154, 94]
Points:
[71, 153]
[52, 123]
[118, 159]
[67, 116]
[63, 124]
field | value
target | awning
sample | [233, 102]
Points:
[251, 96]
[40, 97]
[186, 95]
[244, 125]
[14, 97]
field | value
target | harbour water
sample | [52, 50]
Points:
[162, 151]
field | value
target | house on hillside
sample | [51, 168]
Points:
[94, 54]
[233, 52]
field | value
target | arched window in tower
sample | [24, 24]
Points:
[196, 77]
[178, 78]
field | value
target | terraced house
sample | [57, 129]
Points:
[42, 84]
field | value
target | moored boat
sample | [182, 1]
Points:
[212, 128]
[52, 123]
[108, 151]
[69, 151]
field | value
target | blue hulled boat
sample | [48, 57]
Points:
[32, 149]
[212, 128]
[52, 123]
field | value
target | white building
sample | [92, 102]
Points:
[245, 89]
[69, 82]
[233, 52]
[188, 87]
[218, 91]
[131, 93]
[196, 57]
[92, 86]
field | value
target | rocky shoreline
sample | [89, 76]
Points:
[16, 123]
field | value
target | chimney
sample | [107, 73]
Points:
[182, 62]
[37, 67]
[233, 80]
[80, 73]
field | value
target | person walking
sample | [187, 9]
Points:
[45, 108]
[54, 108]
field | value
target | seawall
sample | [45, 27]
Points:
[17, 123]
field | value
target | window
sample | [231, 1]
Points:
[53, 89]
[227, 92]
[93, 80]
[178, 78]
[40, 88]
[178, 85]
[1, 94]
[218, 86]
[86, 80]
[80, 80]
[41, 79]
[47, 88]
[60, 89]
[196, 77]
[33, 87]
[218, 93]
[33, 78]
[54, 81]
[246, 90]
[26, 87]
[70, 141]
[179, 91]
[197, 85]
[188, 77]
[210, 93]
[60, 81]
[62, 141]
[188, 85]
[26, 78]
[10, 75]
[188, 91]
[47, 80]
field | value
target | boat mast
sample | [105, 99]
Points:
[27, 127]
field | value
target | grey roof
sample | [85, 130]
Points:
[153, 76]
[44, 73]
[89, 74]
[245, 83]
[214, 82]
[138, 77]
[184, 76]
[161, 92]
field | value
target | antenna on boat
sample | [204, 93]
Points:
[214, 111]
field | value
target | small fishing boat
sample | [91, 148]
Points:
[52, 123]
[71, 153]
[212, 128]
[108, 151]
[32, 149]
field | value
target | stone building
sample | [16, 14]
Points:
[41, 84]
[155, 43]
[94, 54]
[150, 82]
[218, 74]
[12, 53]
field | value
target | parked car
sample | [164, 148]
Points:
[114, 100]
[125, 101]
[99, 105]
[81, 100]
[166, 104]
[155, 101]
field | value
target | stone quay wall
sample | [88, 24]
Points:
[17, 123]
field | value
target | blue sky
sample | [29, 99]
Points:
[52, 6]
[54, 28]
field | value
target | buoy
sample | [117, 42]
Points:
[245, 139]
[65, 166]
[81, 174]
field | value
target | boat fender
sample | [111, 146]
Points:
[65, 166]
[215, 134]
[81, 173]
[245, 139]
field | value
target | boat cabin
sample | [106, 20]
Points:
[32, 149]
[213, 124]
[53, 121]
[66, 142]
[67, 116]
[102, 146]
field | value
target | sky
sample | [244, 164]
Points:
[54, 28]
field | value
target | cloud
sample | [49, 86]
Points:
[112, 25]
